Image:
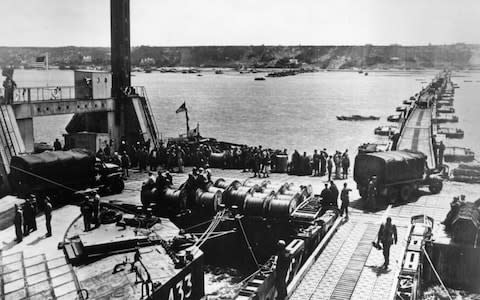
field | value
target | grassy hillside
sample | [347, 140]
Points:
[332, 57]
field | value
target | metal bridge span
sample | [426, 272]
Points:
[416, 134]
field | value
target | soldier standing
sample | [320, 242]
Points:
[18, 220]
[387, 235]
[27, 215]
[48, 216]
[282, 266]
[441, 150]
[329, 167]
[125, 160]
[96, 210]
[372, 191]
[345, 200]
[86, 210]
[33, 210]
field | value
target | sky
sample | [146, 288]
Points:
[243, 22]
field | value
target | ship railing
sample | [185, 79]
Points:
[36, 94]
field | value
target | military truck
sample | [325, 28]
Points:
[396, 175]
[54, 172]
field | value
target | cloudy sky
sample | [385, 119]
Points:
[243, 22]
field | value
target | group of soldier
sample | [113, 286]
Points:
[321, 164]
[329, 198]
[25, 217]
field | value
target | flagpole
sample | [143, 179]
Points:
[186, 119]
[46, 67]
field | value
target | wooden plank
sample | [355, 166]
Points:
[347, 282]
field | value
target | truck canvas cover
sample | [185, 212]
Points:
[64, 167]
[389, 167]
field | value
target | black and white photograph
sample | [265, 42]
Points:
[240, 149]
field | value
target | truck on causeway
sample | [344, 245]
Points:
[59, 172]
[393, 175]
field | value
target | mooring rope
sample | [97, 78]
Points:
[197, 225]
[248, 243]
[43, 178]
[436, 273]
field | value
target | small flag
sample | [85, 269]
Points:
[182, 108]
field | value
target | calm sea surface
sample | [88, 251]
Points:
[295, 112]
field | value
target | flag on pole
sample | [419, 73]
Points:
[182, 108]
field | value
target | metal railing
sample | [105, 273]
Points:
[34, 94]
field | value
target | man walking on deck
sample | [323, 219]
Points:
[387, 234]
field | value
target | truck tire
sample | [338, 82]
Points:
[406, 192]
[117, 185]
[392, 195]
[435, 186]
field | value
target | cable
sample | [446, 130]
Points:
[43, 178]
[435, 271]
[248, 244]
[197, 225]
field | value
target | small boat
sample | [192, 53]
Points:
[451, 133]
[199, 75]
[386, 130]
[445, 118]
[445, 102]
[446, 109]
[259, 78]
[357, 118]
[218, 72]
[458, 154]
[401, 108]
[394, 118]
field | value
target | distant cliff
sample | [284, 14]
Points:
[326, 57]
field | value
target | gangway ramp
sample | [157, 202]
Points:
[416, 134]
[349, 267]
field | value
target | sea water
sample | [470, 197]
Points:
[294, 112]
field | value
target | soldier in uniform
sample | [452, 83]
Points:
[33, 210]
[282, 266]
[387, 235]
[27, 215]
[96, 210]
[86, 209]
[372, 191]
[18, 220]
[48, 216]
[345, 200]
